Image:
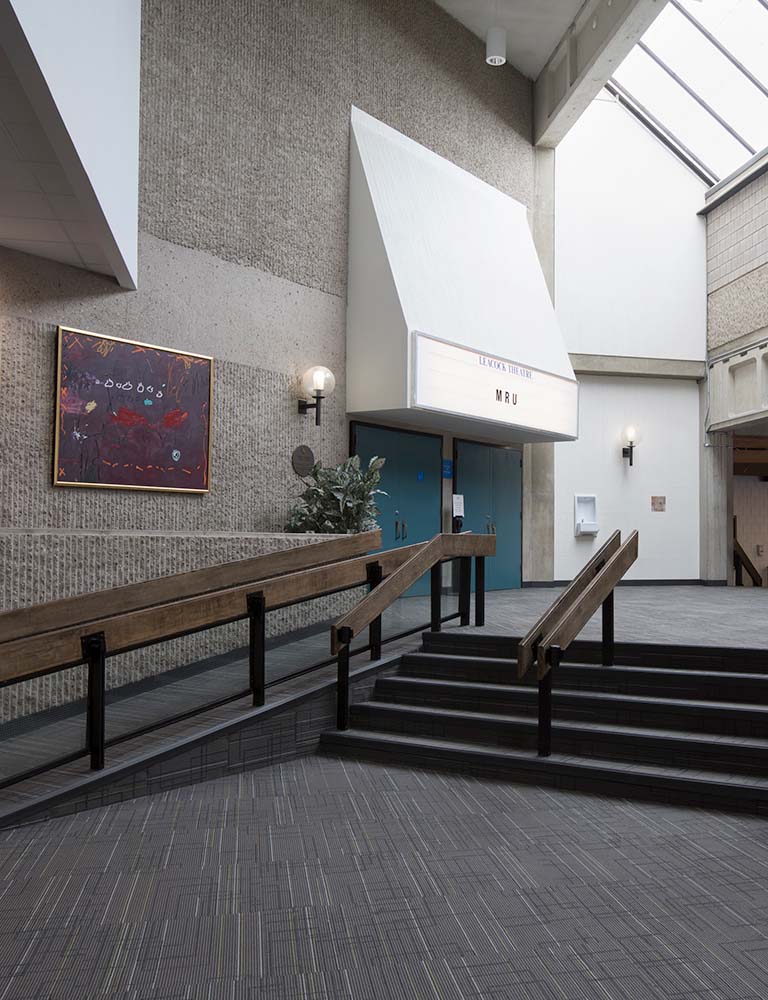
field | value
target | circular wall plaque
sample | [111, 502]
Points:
[303, 460]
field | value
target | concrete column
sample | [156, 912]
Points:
[715, 500]
[538, 512]
[539, 459]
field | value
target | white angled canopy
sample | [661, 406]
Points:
[449, 321]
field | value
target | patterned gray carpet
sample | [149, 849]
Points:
[321, 879]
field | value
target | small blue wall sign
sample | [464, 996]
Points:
[447, 468]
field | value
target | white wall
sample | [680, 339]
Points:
[89, 53]
[630, 250]
[666, 463]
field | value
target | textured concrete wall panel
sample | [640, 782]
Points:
[255, 429]
[189, 300]
[245, 119]
[738, 308]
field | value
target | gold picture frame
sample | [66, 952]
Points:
[73, 356]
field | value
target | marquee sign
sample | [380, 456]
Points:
[458, 380]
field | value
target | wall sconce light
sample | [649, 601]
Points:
[317, 382]
[631, 439]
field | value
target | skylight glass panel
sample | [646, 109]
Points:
[716, 80]
[701, 69]
[740, 25]
[690, 123]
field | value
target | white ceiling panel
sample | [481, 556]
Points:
[534, 27]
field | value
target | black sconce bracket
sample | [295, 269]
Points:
[628, 452]
[305, 407]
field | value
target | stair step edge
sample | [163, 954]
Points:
[571, 726]
[715, 780]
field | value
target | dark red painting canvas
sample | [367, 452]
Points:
[131, 415]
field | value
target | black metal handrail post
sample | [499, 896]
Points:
[257, 646]
[608, 631]
[342, 682]
[465, 588]
[435, 591]
[375, 575]
[479, 590]
[95, 655]
[545, 703]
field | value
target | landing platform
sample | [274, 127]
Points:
[684, 615]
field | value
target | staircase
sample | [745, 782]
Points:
[676, 724]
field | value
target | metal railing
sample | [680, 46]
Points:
[89, 629]
[429, 559]
[561, 623]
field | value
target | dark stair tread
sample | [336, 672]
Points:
[479, 644]
[462, 658]
[528, 693]
[568, 725]
[688, 675]
[597, 668]
[711, 781]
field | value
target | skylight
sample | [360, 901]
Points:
[699, 76]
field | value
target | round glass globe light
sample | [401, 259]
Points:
[318, 379]
[631, 435]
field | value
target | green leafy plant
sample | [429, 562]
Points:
[339, 500]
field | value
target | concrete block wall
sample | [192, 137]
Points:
[737, 265]
[737, 234]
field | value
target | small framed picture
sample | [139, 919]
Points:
[658, 504]
[130, 415]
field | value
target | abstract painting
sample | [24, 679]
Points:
[130, 415]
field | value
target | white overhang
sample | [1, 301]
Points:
[449, 321]
[69, 132]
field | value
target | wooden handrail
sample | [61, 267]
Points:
[576, 616]
[525, 648]
[443, 546]
[104, 604]
[62, 648]
[740, 555]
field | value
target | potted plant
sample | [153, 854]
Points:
[340, 500]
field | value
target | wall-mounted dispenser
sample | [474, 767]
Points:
[585, 514]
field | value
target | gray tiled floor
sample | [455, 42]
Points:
[321, 879]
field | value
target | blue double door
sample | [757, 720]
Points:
[489, 477]
[412, 509]
[491, 480]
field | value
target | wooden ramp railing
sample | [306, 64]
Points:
[89, 629]
[562, 623]
[528, 646]
[428, 558]
[103, 604]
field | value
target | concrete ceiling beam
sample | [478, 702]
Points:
[601, 36]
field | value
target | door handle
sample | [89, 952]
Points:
[397, 531]
[405, 530]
